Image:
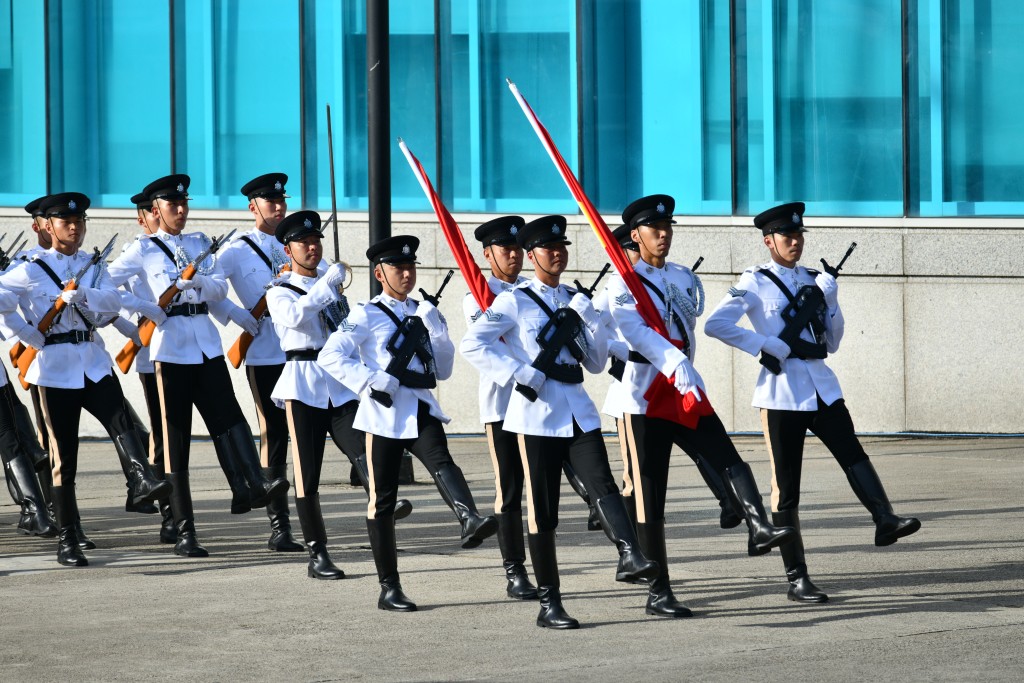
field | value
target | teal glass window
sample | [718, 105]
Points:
[819, 106]
[109, 88]
[22, 102]
[236, 84]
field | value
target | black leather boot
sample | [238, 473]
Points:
[238, 440]
[239, 489]
[27, 433]
[513, 556]
[145, 507]
[801, 589]
[545, 567]
[763, 536]
[186, 545]
[84, 542]
[35, 517]
[661, 602]
[143, 486]
[69, 550]
[168, 530]
[593, 519]
[455, 492]
[311, 519]
[889, 527]
[362, 477]
[730, 516]
[633, 565]
[281, 539]
[385, 555]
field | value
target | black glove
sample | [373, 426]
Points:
[834, 272]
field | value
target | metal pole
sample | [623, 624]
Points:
[378, 123]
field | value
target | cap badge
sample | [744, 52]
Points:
[555, 230]
[277, 186]
[796, 218]
[513, 230]
[406, 250]
[181, 187]
[660, 207]
[72, 205]
[307, 223]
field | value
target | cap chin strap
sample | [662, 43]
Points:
[385, 274]
[494, 263]
[546, 271]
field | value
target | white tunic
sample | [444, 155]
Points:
[493, 397]
[134, 290]
[517, 318]
[680, 287]
[801, 381]
[359, 349]
[60, 366]
[300, 326]
[181, 339]
[250, 276]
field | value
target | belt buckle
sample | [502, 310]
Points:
[193, 309]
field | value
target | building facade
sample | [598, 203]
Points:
[894, 120]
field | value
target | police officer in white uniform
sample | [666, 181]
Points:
[306, 305]
[189, 362]
[71, 368]
[805, 394]
[250, 262]
[675, 291]
[550, 411]
[391, 351]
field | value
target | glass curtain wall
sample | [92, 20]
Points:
[22, 102]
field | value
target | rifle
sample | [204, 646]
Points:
[560, 329]
[807, 308]
[414, 337]
[7, 255]
[126, 356]
[696, 264]
[28, 354]
[236, 354]
[589, 291]
[834, 272]
[437, 296]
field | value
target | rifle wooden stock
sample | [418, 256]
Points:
[16, 351]
[147, 326]
[29, 353]
[126, 356]
[236, 354]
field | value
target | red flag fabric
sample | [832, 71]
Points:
[663, 400]
[475, 279]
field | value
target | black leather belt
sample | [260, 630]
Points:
[188, 309]
[301, 354]
[635, 357]
[566, 373]
[72, 337]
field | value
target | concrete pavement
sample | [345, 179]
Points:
[944, 604]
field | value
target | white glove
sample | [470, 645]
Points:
[244, 319]
[529, 376]
[185, 285]
[153, 312]
[582, 305]
[31, 336]
[72, 296]
[335, 275]
[431, 317]
[774, 346]
[830, 287]
[687, 379]
[618, 349]
[382, 381]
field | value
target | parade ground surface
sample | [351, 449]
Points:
[945, 604]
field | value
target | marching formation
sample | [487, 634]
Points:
[363, 374]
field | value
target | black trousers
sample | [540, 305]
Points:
[309, 427]
[156, 421]
[10, 442]
[384, 460]
[542, 467]
[785, 431]
[508, 468]
[650, 447]
[207, 386]
[62, 411]
[273, 421]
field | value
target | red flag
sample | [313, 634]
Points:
[663, 401]
[467, 265]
